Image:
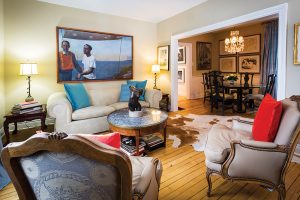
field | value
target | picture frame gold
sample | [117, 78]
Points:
[163, 54]
[228, 64]
[297, 44]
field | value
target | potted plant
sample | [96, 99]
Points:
[232, 78]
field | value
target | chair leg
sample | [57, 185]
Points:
[281, 192]
[209, 183]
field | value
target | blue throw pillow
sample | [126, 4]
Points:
[77, 96]
[140, 85]
[125, 92]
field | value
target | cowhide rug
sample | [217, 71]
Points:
[193, 129]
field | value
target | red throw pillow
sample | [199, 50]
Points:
[267, 120]
[111, 139]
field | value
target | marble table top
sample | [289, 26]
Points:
[150, 117]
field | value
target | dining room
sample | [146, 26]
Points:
[231, 69]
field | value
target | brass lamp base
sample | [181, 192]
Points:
[29, 98]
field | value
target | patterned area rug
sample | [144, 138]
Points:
[193, 129]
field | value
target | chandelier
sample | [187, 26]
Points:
[235, 43]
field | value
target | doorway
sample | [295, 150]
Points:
[280, 10]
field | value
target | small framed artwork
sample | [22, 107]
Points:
[222, 51]
[84, 55]
[181, 55]
[228, 64]
[203, 55]
[249, 63]
[163, 57]
[181, 75]
[251, 44]
[297, 45]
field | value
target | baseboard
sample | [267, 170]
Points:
[27, 125]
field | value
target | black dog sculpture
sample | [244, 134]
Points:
[134, 104]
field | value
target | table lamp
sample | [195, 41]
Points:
[28, 69]
[155, 70]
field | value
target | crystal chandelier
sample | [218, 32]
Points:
[235, 43]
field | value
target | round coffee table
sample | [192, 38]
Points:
[152, 121]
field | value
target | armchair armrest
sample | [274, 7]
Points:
[256, 161]
[243, 124]
[153, 97]
[59, 107]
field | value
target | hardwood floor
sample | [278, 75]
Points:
[184, 172]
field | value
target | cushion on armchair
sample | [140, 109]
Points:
[267, 120]
[111, 139]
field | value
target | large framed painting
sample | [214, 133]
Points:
[163, 57]
[251, 44]
[297, 45]
[181, 55]
[93, 56]
[203, 55]
[222, 51]
[228, 64]
[249, 63]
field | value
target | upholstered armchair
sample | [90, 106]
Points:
[58, 166]
[234, 155]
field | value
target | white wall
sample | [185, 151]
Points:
[2, 92]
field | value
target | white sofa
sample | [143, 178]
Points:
[92, 119]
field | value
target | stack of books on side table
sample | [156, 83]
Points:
[26, 107]
[128, 146]
[153, 142]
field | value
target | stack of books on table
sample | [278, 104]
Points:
[26, 107]
[153, 142]
[128, 146]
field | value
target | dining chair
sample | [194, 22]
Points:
[244, 79]
[218, 93]
[205, 82]
[271, 79]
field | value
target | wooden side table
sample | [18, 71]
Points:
[15, 118]
[164, 103]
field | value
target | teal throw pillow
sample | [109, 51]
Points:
[77, 96]
[125, 92]
[140, 85]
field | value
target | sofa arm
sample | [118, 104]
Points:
[249, 161]
[59, 107]
[153, 97]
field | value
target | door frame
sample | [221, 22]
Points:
[280, 10]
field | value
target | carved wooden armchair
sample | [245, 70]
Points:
[58, 166]
[233, 154]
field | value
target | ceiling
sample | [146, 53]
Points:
[145, 10]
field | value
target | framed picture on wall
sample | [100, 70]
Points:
[181, 55]
[163, 57]
[251, 44]
[203, 55]
[297, 45]
[93, 56]
[222, 51]
[228, 64]
[249, 63]
[181, 75]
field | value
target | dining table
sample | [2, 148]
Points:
[239, 88]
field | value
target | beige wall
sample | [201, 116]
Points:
[2, 97]
[214, 11]
[31, 34]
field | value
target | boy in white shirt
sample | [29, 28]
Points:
[89, 63]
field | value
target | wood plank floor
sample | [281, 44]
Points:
[184, 172]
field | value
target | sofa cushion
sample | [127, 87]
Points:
[140, 85]
[267, 120]
[218, 142]
[77, 96]
[92, 112]
[120, 105]
[111, 139]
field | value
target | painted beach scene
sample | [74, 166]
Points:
[93, 56]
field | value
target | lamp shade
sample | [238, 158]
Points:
[28, 69]
[155, 68]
